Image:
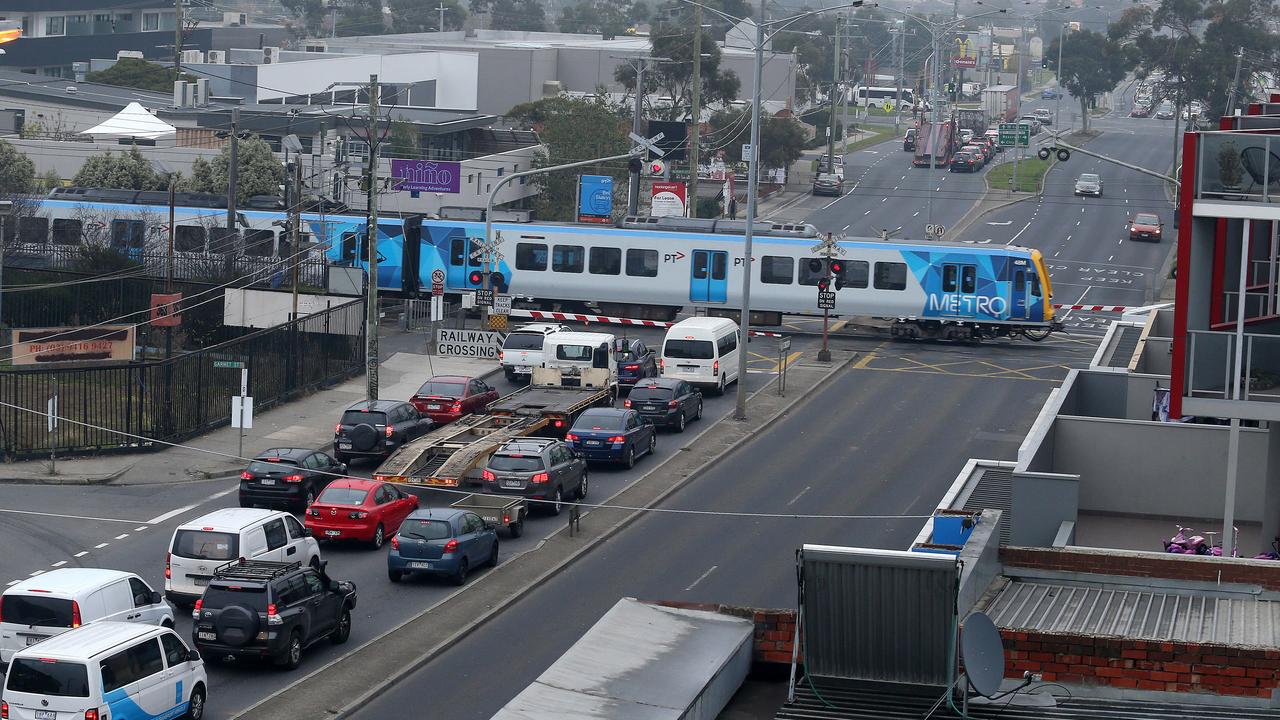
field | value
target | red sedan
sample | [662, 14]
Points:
[364, 510]
[445, 398]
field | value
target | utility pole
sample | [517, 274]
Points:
[900, 36]
[177, 40]
[633, 186]
[696, 112]
[233, 168]
[441, 9]
[753, 167]
[1235, 82]
[371, 240]
[295, 224]
[835, 86]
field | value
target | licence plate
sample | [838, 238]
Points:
[512, 484]
[207, 635]
[433, 407]
[420, 565]
[344, 446]
[33, 639]
[688, 367]
[650, 407]
[46, 715]
[332, 533]
[200, 582]
[268, 481]
[592, 443]
[522, 368]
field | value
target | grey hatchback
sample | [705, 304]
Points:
[539, 469]
[666, 401]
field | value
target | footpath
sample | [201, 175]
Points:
[305, 422]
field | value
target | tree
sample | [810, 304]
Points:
[574, 129]
[781, 139]
[257, 171]
[600, 17]
[417, 16]
[310, 13]
[128, 170]
[361, 17]
[813, 46]
[675, 13]
[674, 80]
[403, 142]
[1092, 64]
[526, 15]
[17, 172]
[137, 73]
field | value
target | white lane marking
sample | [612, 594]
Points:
[904, 177]
[82, 553]
[867, 213]
[833, 202]
[1002, 223]
[1120, 241]
[846, 227]
[938, 189]
[140, 528]
[69, 517]
[1110, 258]
[1126, 201]
[1081, 209]
[895, 187]
[883, 199]
[701, 577]
[915, 213]
[122, 536]
[1068, 237]
[12, 582]
[1015, 237]
[806, 489]
[1055, 254]
[38, 572]
[1077, 223]
[60, 563]
[99, 546]
[172, 513]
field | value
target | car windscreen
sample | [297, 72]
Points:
[442, 389]
[56, 678]
[357, 417]
[647, 394]
[515, 463]
[1147, 220]
[426, 529]
[689, 349]
[1089, 178]
[524, 341]
[217, 597]
[206, 545]
[342, 496]
[41, 611]
[258, 467]
[590, 421]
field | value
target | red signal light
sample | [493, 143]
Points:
[476, 277]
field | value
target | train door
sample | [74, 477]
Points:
[1018, 291]
[460, 263]
[709, 279]
[960, 284]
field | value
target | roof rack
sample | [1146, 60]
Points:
[254, 569]
[526, 441]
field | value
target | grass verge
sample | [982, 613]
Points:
[1030, 175]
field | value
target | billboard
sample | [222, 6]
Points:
[966, 52]
[668, 199]
[426, 176]
[99, 343]
[595, 198]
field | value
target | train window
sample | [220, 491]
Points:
[284, 248]
[259, 243]
[458, 251]
[128, 233]
[223, 240]
[567, 258]
[66, 232]
[949, 278]
[719, 265]
[856, 273]
[776, 269]
[33, 230]
[891, 276]
[531, 256]
[811, 271]
[605, 261]
[188, 238]
[642, 263]
[968, 279]
[348, 247]
[1035, 285]
[473, 244]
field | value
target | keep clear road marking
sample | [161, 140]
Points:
[173, 513]
[701, 577]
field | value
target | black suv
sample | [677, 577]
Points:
[666, 401]
[375, 429]
[539, 469]
[290, 477]
[254, 608]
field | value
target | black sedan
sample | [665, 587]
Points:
[612, 434]
[636, 361]
[666, 401]
[288, 477]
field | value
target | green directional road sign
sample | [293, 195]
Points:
[1015, 134]
[236, 364]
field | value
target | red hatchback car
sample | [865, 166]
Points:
[355, 509]
[445, 398]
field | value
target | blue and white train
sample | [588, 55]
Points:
[647, 267]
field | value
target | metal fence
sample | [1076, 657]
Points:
[131, 406]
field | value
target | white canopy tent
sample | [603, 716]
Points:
[134, 121]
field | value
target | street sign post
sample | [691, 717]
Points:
[501, 304]
[747, 151]
[935, 230]
[784, 349]
[826, 300]
[484, 297]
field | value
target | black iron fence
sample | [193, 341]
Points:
[131, 406]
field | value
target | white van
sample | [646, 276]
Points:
[522, 350]
[60, 600]
[702, 351]
[200, 546]
[107, 670]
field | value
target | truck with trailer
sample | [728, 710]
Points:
[1000, 103]
[935, 143]
[581, 372]
[974, 119]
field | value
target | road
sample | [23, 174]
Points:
[128, 527]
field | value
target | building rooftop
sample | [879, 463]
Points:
[96, 96]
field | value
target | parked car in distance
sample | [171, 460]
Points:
[445, 398]
[1164, 111]
[442, 541]
[287, 477]
[271, 610]
[522, 350]
[1140, 111]
[613, 435]
[636, 361]
[964, 161]
[538, 469]
[1089, 184]
[965, 136]
[666, 402]
[824, 165]
[1032, 121]
[828, 184]
[1145, 226]
[355, 509]
[1050, 93]
[909, 141]
[375, 429]
[1044, 115]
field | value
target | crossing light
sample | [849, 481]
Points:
[823, 284]
[656, 168]
[1044, 62]
[476, 277]
[634, 165]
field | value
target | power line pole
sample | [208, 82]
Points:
[1235, 82]
[696, 112]
[233, 168]
[900, 36]
[295, 224]
[835, 87]
[441, 9]
[177, 40]
[633, 185]
[371, 240]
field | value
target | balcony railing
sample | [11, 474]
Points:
[1211, 362]
[1238, 166]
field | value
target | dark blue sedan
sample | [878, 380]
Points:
[612, 435]
[442, 541]
[1050, 94]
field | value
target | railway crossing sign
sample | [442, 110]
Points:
[437, 276]
[501, 304]
[826, 300]
[481, 249]
[484, 297]
[649, 145]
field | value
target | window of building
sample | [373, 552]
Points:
[776, 270]
[150, 21]
[605, 261]
[567, 258]
[642, 263]
[531, 256]
[55, 25]
[891, 276]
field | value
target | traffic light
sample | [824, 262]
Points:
[837, 272]
[1044, 62]
[634, 165]
[476, 277]
[656, 168]
[498, 281]
[824, 283]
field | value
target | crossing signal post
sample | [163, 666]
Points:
[831, 271]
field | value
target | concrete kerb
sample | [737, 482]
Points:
[518, 569]
[72, 479]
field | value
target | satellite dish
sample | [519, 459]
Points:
[983, 654]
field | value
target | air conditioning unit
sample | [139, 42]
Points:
[218, 57]
[201, 91]
[192, 57]
[270, 55]
[234, 18]
[551, 88]
[121, 54]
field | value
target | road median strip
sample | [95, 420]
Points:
[347, 683]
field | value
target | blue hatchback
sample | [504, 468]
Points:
[442, 541]
[612, 435]
[1050, 94]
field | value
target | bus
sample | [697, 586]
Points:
[878, 96]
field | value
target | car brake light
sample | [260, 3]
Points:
[91, 714]
[337, 428]
[4, 710]
[559, 423]
[390, 429]
[662, 364]
[357, 515]
[75, 614]
[630, 367]
[673, 403]
[617, 439]
[456, 407]
[715, 368]
[486, 475]
[273, 618]
[501, 355]
[395, 542]
[168, 572]
[450, 546]
[570, 437]
[626, 403]
[293, 478]
[506, 519]
[245, 475]
[540, 479]
[195, 611]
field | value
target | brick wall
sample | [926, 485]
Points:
[775, 629]
[1142, 664]
[1147, 564]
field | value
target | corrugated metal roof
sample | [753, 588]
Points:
[993, 490]
[1142, 614]
[904, 702]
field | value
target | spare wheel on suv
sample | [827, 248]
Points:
[237, 625]
[363, 437]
